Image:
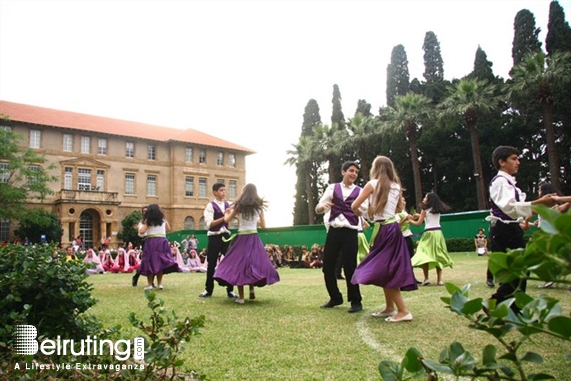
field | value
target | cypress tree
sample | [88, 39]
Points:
[363, 108]
[337, 124]
[482, 67]
[398, 77]
[433, 63]
[311, 118]
[558, 30]
[526, 39]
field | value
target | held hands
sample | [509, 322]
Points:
[322, 208]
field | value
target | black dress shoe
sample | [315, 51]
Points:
[356, 307]
[205, 294]
[340, 277]
[490, 283]
[232, 295]
[332, 303]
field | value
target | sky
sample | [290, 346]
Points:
[240, 70]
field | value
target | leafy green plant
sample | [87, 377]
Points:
[546, 257]
[166, 335]
[53, 296]
[36, 290]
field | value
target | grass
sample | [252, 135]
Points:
[284, 335]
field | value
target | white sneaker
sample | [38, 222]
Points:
[239, 301]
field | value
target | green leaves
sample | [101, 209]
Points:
[547, 256]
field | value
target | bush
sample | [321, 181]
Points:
[38, 291]
[460, 245]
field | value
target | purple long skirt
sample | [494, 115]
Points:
[388, 263]
[246, 263]
[157, 257]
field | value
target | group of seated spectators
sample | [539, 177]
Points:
[127, 258]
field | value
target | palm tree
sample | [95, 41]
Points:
[362, 130]
[325, 142]
[468, 98]
[537, 77]
[302, 156]
[407, 116]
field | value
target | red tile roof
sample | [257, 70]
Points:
[18, 112]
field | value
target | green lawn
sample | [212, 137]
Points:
[284, 335]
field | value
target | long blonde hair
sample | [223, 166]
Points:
[384, 170]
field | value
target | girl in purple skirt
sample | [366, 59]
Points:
[388, 263]
[157, 257]
[246, 261]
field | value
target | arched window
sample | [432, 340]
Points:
[202, 224]
[189, 223]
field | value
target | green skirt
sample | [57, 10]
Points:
[363, 247]
[432, 249]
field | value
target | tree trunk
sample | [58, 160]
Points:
[551, 147]
[310, 200]
[364, 164]
[415, 170]
[476, 157]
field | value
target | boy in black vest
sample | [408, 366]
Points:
[217, 231]
[341, 240]
[508, 210]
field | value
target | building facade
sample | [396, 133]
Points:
[108, 168]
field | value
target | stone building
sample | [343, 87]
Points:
[107, 168]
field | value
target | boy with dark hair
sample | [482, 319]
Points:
[508, 210]
[341, 239]
[217, 233]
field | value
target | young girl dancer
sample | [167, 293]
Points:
[158, 259]
[246, 262]
[431, 251]
[388, 263]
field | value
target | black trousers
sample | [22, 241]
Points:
[504, 237]
[215, 247]
[341, 242]
[409, 245]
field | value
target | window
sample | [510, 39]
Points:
[202, 224]
[202, 156]
[4, 173]
[100, 180]
[129, 183]
[4, 229]
[102, 146]
[189, 186]
[84, 179]
[220, 158]
[232, 160]
[232, 189]
[33, 177]
[221, 181]
[68, 178]
[67, 142]
[35, 137]
[85, 143]
[152, 152]
[129, 149]
[189, 155]
[151, 185]
[188, 223]
[202, 187]
[6, 128]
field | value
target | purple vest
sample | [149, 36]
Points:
[496, 211]
[343, 207]
[219, 214]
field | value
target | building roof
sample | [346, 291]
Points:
[18, 112]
